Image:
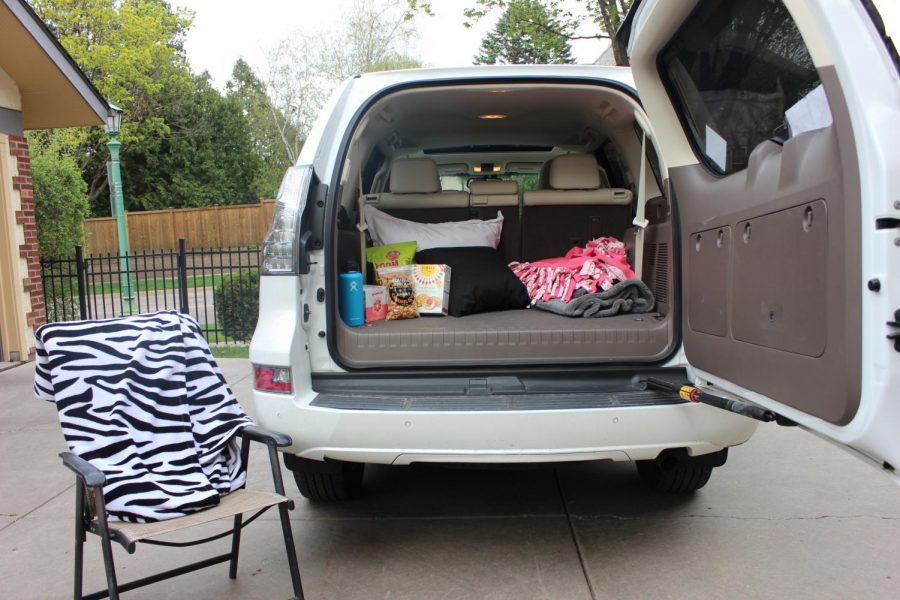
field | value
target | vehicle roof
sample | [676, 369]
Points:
[384, 79]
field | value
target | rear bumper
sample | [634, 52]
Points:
[509, 436]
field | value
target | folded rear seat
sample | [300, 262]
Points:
[486, 197]
[574, 210]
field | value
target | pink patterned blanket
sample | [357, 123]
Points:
[597, 266]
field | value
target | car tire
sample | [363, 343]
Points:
[328, 481]
[677, 473]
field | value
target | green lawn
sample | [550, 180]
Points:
[230, 351]
[169, 283]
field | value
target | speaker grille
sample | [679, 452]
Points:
[659, 271]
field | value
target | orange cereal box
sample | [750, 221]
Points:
[432, 288]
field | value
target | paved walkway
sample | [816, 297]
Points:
[789, 516]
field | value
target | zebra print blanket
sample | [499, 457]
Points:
[143, 400]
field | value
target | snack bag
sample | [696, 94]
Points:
[401, 297]
[395, 255]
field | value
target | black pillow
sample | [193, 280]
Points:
[480, 280]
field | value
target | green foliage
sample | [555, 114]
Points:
[607, 14]
[249, 92]
[527, 33]
[237, 304]
[60, 201]
[132, 50]
[183, 144]
[207, 159]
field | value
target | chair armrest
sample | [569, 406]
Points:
[266, 436]
[91, 475]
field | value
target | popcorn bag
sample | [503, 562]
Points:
[394, 255]
[376, 302]
[431, 284]
[401, 293]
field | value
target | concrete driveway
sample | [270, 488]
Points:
[788, 516]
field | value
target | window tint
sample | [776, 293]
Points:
[734, 68]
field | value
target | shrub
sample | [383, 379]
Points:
[60, 202]
[237, 304]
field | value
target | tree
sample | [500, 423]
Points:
[607, 14]
[183, 143]
[295, 90]
[303, 69]
[132, 50]
[376, 35]
[207, 159]
[265, 136]
[525, 34]
[60, 201]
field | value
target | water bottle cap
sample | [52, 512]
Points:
[351, 266]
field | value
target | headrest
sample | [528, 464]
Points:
[486, 187]
[574, 172]
[415, 176]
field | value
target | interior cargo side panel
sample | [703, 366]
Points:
[793, 289]
[658, 266]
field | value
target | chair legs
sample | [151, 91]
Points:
[108, 563]
[81, 516]
[79, 538]
[291, 551]
[235, 546]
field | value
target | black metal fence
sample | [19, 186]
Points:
[217, 286]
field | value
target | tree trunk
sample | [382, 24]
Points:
[609, 26]
[619, 52]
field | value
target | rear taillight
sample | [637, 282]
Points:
[272, 379]
[279, 247]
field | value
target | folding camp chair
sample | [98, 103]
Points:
[90, 515]
[143, 399]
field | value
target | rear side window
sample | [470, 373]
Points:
[740, 74]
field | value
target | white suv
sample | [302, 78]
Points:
[754, 182]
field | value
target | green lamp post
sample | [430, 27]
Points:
[117, 202]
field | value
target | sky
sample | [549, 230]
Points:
[225, 30]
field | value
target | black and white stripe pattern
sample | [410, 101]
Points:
[142, 399]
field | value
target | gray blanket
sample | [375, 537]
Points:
[630, 296]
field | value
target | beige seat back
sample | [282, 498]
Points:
[573, 210]
[486, 197]
[493, 192]
[575, 179]
[416, 186]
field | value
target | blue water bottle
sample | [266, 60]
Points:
[352, 299]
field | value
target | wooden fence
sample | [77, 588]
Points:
[215, 227]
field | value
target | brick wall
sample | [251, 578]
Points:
[28, 251]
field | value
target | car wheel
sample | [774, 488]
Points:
[328, 480]
[675, 472]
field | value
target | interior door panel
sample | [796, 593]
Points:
[707, 273]
[786, 282]
[780, 280]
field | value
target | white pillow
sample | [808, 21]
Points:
[386, 230]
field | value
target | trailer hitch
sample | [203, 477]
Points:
[695, 394]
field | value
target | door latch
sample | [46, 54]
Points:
[895, 335]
